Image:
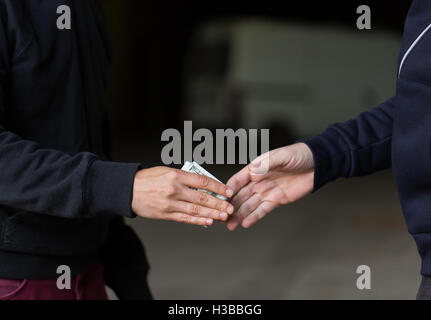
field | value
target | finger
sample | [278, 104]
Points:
[267, 161]
[260, 165]
[239, 180]
[196, 210]
[206, 200]
[246, 208]
[255, 170]
[243, 195]
[258, 214]
[198, 181]
[187, 219]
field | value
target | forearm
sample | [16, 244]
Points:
[51, 182]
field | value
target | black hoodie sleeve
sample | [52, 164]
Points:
[51, 182]
[125, 263]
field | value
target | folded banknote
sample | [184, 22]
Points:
[196, 168]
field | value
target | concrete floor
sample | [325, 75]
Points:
[308, 250]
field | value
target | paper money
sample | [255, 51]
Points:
[196, 168]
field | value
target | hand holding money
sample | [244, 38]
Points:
[194, 167]
[164, 193]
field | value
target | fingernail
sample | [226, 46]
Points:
[229, 192]
[230, 209]
[223, 215]
[209, 221]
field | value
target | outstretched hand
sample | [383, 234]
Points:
[276, 178]
[169, 194]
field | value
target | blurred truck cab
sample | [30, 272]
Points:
[256, 73]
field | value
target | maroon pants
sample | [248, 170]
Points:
[88, 285]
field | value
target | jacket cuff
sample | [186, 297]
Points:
[110, 188]
[331, 157]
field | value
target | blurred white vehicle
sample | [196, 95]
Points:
[255, 73]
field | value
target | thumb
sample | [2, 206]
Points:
[264, 163]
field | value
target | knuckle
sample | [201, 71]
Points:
[220, 205]
[204, 181]
[186, 219]
[172, 175]
[194, 209]
[203, 198]
[172, 189]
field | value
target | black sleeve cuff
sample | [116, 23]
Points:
[110, 188]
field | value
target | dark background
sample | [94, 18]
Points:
[151, 39]
[310, 249]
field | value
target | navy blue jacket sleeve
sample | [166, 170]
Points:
[51, 182]
[354, 148]
[364, 145]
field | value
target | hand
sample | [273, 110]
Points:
[164, 193]
[276, 178]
